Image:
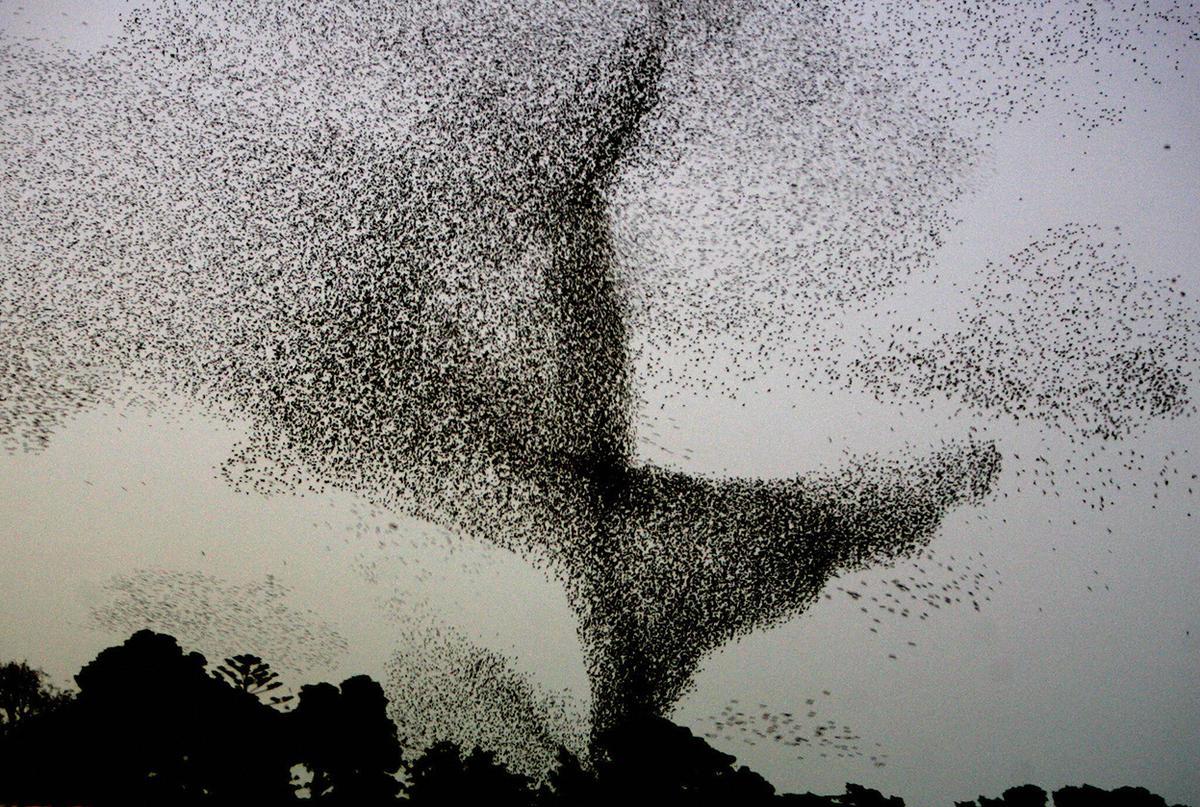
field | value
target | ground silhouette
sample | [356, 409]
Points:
[151, 725]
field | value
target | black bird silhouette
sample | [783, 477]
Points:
[396, 253]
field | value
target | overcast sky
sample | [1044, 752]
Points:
[1082, 667]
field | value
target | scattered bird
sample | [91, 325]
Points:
[446, 264]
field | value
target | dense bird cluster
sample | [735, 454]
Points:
[438, 254]
[1065, 333]
[441, 686]
[858, 129]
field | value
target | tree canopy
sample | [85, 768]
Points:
[152, 725]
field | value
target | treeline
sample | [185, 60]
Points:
[150, 725]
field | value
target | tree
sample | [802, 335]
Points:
[33, 714]
[347, 742]
[1020, 796]
[1024, 796]
[1136, 797]
[150, 725]
[806, 800]
[859, 796]
[570, 783]
[653, 760]
[26, 692]
[442, 775]
[1091, 796]
[250, 673]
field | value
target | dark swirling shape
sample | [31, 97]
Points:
[433, 313]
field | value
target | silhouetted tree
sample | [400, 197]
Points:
[804, 800]
[315, 730]
[651, 759]
[151, 726]
[1024, 796]
[1136, 797]
[347, 742]
[193, 735]
[1089, 796]
[1081, 796]
[36, 715]
[1020, 796]
[570, 783]
[442, 775]
[859, 796]
[1070, 796]
[26, 692]
[250, 673]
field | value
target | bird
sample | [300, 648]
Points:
[446, 272]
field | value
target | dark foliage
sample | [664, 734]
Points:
[251, 674]
[345, 739]
[442, 775]
[151, 726]
[1088, 796]
[25, 692]
[859, 796]
[1071, 796]
[1023, 796]
[655, 759]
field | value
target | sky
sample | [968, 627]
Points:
[1081, 667]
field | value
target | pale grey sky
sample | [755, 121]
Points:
[1050, 682]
